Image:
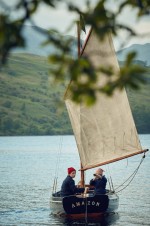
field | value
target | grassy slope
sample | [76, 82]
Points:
[30, 104]
[28, 101]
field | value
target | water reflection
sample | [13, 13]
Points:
[105, 220]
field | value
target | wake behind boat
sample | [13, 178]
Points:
[104, 133]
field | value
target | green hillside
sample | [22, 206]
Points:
[31, 105]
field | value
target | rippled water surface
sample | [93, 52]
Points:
[27, 169]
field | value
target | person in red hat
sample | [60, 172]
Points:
[99, 182]
[68, 186]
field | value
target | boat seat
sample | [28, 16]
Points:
[109, 191]
[57, 194]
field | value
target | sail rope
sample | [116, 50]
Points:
[86, 211]
[130, 179]
[57, 165]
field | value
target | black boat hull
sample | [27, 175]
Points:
[78, 205]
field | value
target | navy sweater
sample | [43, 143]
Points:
[99, 184]
[68, 187]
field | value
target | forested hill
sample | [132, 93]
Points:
[30, 104]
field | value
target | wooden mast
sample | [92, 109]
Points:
[79, 44]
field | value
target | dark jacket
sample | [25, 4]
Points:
[99, 184]
[68, 187]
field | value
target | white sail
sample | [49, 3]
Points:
[105, 132]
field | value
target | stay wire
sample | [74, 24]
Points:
[58, 157]
[57, 165]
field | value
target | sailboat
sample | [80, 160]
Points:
[104, 133]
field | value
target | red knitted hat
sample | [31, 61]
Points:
[70, 170]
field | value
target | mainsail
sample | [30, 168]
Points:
[105, 132]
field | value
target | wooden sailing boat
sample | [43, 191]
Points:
[104, 133]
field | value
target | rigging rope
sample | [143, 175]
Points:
[131, 176]
[57, 165]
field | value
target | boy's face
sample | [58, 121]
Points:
[99, 172]
[72, 174]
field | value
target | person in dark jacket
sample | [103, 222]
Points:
[99, 182]
[68, 186]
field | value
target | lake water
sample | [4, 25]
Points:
[27, 169]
